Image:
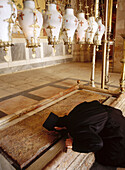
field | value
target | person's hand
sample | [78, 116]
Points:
[68, 143]
[59, 128]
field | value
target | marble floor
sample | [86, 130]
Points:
[23, 89]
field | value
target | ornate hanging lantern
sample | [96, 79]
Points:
[70, 24]
[87, 9]
[82, 27]
[99, 33]
[8, 14]
[30, 20]
[92, 28]
[52, 22]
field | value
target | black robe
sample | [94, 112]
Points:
[97, 128]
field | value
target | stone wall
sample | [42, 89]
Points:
[82, 53]
[120, 29]
[20, 57]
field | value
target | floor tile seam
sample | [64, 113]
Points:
[59, 86]
[33, 96]
[2, 114]
[29, 90]
[13, 85]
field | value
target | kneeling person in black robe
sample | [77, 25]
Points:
[97, 128]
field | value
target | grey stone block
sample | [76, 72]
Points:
[18, 52]
[59, 49]
[47, 50]
[2, 54]
[38, 53]
[4, 164]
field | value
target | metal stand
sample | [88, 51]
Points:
[93, 67]
[105, 47]
[110, 8]
[94, 50]
[107, 60]
[122, 80]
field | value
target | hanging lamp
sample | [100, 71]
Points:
[70, 24]
[30, 20]
[92, 26]
[87, 10]
[52, 22]
[99, 33]
[82, 26]
[8, 15]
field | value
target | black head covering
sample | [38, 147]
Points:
[51, 121]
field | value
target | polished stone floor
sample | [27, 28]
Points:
[23, 89]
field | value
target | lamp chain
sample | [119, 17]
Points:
[87, 9]
[92, 7]
[102, 9]
[80, 5]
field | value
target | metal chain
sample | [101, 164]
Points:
[80, 5]
[83, 2]
[102, 8]
[92, 7]
[87, 9]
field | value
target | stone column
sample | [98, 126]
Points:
[120, 29]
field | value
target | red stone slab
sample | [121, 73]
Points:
[25, 140]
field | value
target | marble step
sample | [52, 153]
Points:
[71, 160]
